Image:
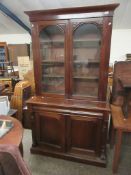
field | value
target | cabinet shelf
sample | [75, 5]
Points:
[47, 44]
[53, 76]
[86, 77]
[5, 62]
[87, 43]
[88, 61]
[5, 70]
[52, 62]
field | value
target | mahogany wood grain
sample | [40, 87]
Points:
[118, 119]
[69, 125]
[66, 13]
[15, 135]
[120, 124]
[70, 129]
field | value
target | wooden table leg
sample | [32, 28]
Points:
[117, 150]
[112, 139]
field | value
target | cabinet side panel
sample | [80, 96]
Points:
[105, 55]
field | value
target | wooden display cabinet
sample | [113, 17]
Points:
[3, 52]
[69, 114]
[3, 56]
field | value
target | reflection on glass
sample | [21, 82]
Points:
[86, 59]
[52, 56]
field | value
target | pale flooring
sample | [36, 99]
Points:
[43, 165]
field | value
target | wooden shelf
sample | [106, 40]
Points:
[56, 44]
[52, 62]
[53, 76]
[87, 43]
[88, 61]
[6, 62]
[86, 78]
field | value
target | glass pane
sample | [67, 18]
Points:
[2, 54]
[2, 60]
[52, 56]
[86, 59]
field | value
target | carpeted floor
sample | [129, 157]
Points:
[43, 165]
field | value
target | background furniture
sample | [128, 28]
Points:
[120, 102]
[3, 51]
[16, 50]
[7, 68]
[14, 136]
[126, 85]
[29, 76]
[22, 92]
[121, 125]
[11, 162]
[2, 87]
[3, 56]
[122, 72]
[69, 113]
[7, 82]
[9, 85]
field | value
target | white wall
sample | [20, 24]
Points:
[15, 38]
[120, 43]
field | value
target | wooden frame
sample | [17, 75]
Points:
[79, 116]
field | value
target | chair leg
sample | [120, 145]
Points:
[117, 150]
[112, 140]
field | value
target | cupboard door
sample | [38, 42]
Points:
[84, 135]
[86, 59]
[52, 56]
[50, 130]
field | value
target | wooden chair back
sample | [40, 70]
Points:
[22, 92]
[122, 71]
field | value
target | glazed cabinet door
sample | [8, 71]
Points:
[51, 55]
[84, 135]
[86, 57]
[49, 129]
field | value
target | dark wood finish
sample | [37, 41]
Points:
[121, 90]
[26, 120]
[105, 53]
[50, 130]
[72, 125]
[86, 127]
[126, 85]
[122, 72]
[15, 135]
[105, 27]
[66, 13]
[74, 130]
[120, 124]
